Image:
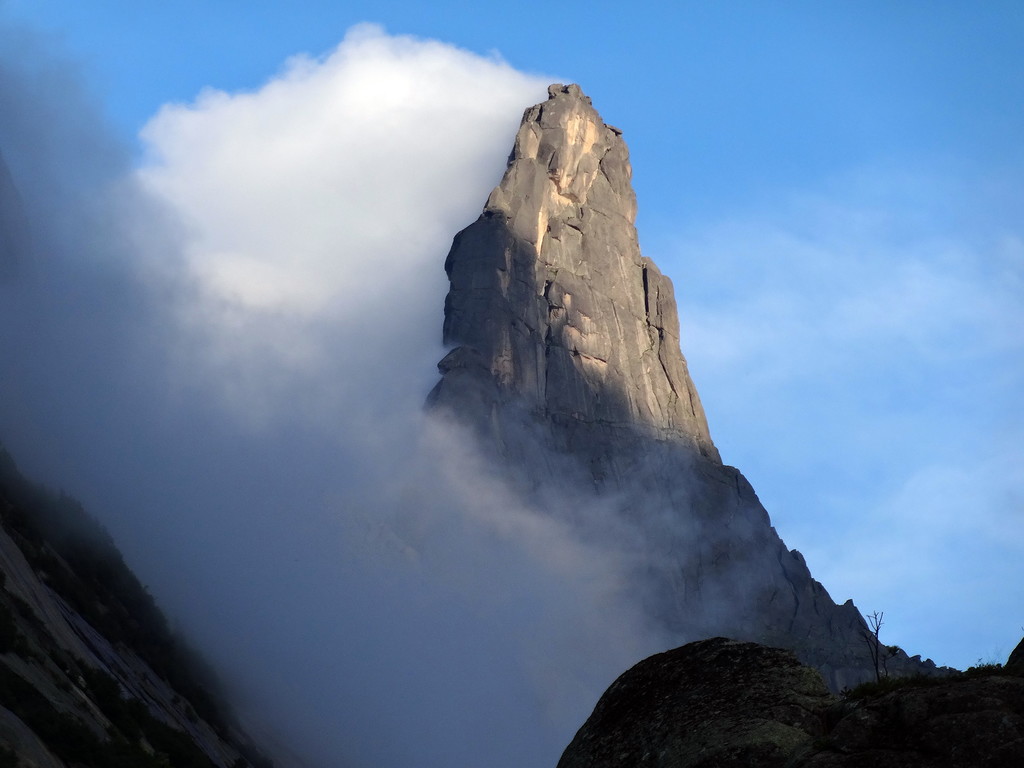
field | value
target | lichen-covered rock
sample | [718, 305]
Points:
[720, 703]
[709, 704]
[955, 722]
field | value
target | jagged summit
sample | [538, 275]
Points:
[551, 302]
[567, 368]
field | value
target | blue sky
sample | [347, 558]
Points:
[836, 189]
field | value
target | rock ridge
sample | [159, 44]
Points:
[551, 302]
[90, 673]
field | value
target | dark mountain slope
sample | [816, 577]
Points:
[90, 674]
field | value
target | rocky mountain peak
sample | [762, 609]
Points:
[562, 148]
[551, 302]
[567, 371]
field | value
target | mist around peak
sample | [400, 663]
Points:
[226, 362]
[224, 355]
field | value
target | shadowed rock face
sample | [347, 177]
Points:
[708, 704]
[720, 703]
[89, 671]
[566, 365]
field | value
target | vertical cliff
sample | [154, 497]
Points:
[566, 365]
[551, 300]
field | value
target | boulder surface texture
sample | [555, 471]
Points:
[724, 704]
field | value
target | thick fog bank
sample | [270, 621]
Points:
[225, 354]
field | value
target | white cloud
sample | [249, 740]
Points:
[340, 173]
[316, 213]
[318, 210]
[388, 601]
[254, 407]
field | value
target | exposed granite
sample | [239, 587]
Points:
[566, 365]
[719, 703]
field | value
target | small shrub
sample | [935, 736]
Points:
[984, 670]
[889, 684]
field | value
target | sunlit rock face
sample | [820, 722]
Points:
[566, 365]
[552, 304]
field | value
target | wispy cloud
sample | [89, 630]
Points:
[869, 348]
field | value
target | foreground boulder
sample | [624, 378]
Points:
[714, 703]
[720, 703]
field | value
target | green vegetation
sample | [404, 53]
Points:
[79, 560]
[985, 670]
[74, 742]
[76, 557]
[889, 684]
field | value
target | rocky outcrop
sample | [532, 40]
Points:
[89, 673]
[710, 704]
[552, 305]
[566, 364]
[720, 703]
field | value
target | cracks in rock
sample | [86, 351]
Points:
[692, 399]
[647, 294]
[664, 368]
[574, 352]
[661, 333]
[599, 212]
[792, 586]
